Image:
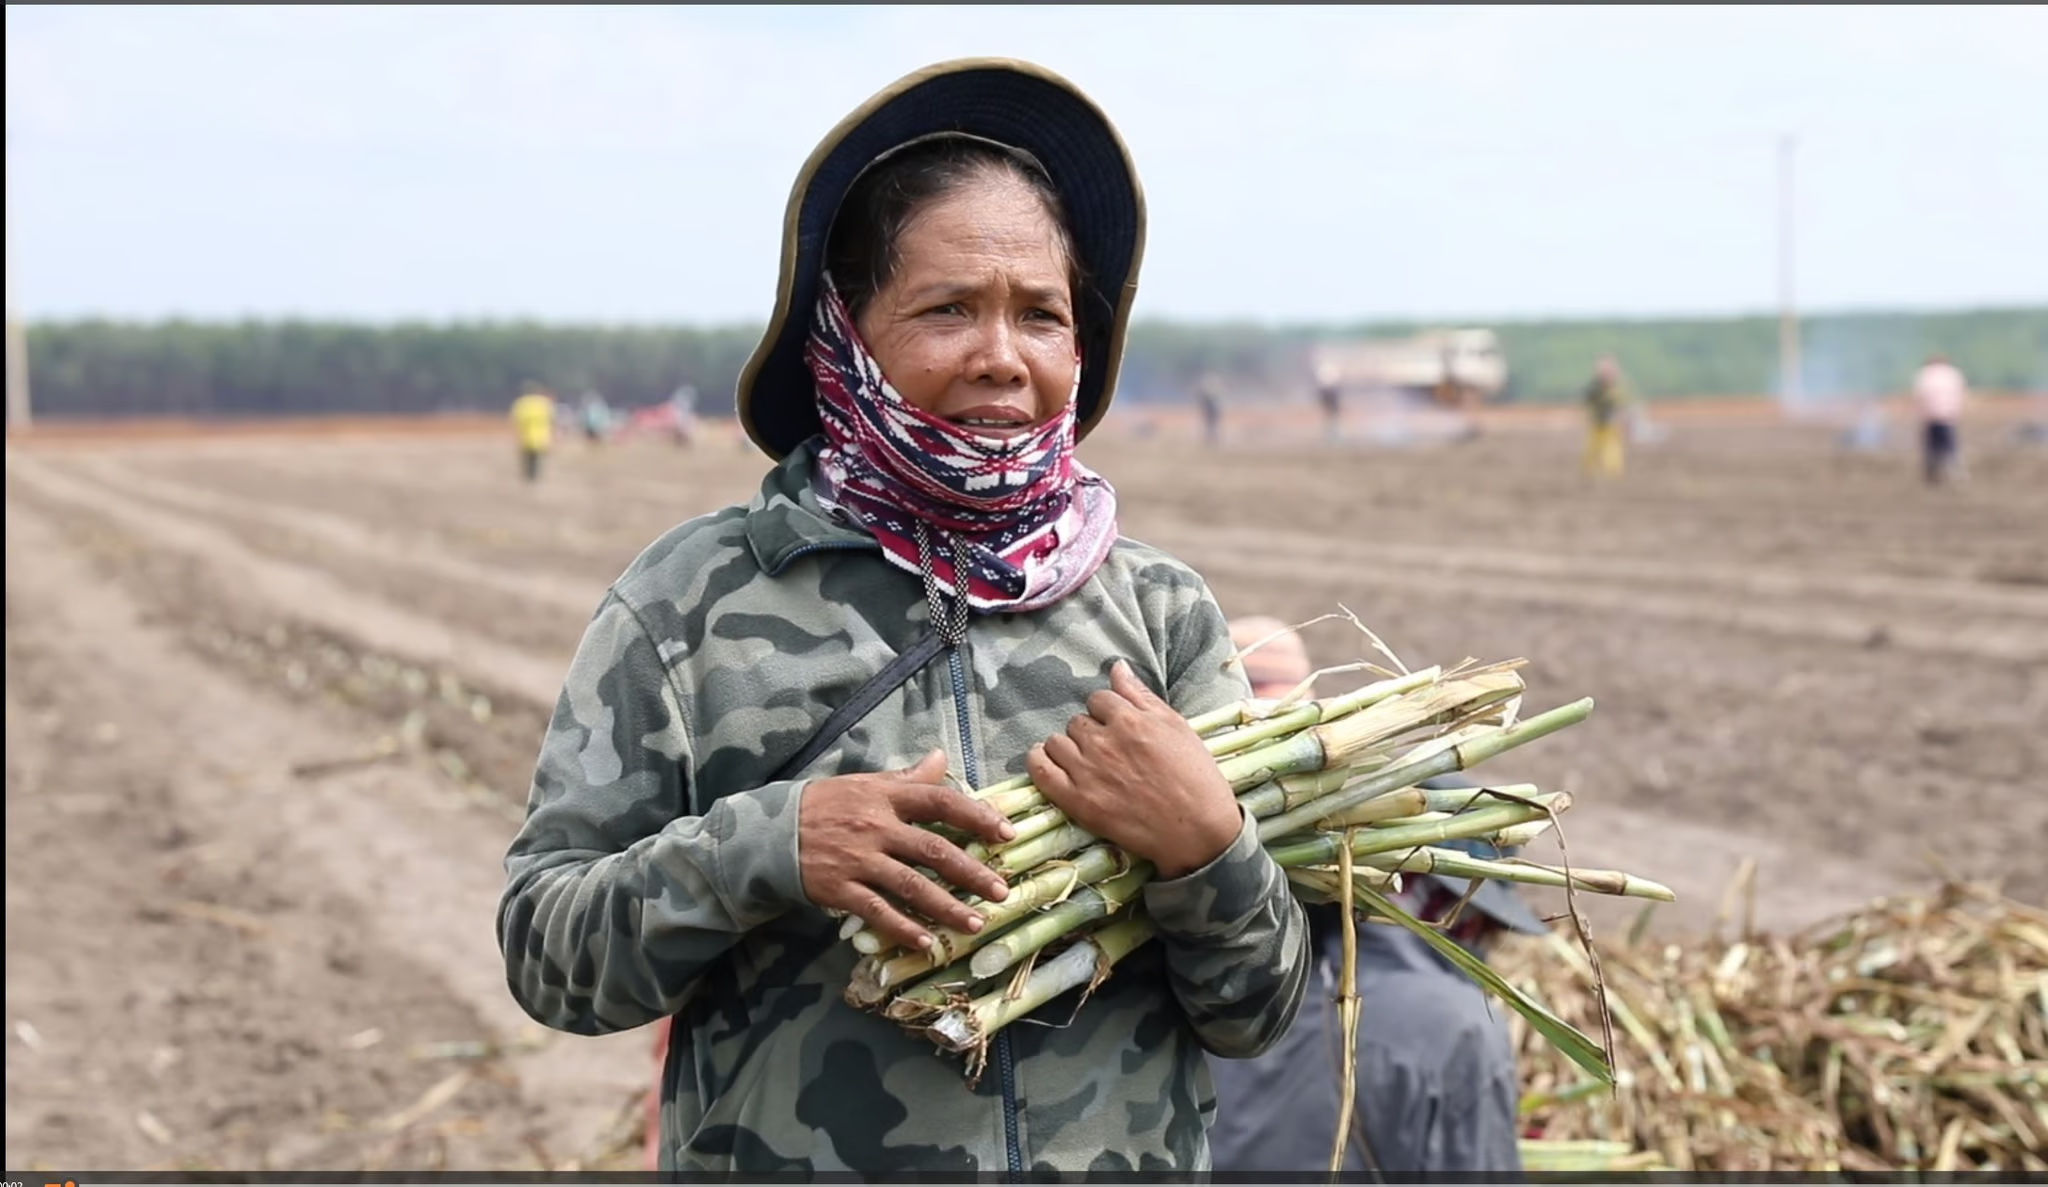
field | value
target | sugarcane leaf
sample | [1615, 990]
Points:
[1563, 1035]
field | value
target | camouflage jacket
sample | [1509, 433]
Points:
[657, 870]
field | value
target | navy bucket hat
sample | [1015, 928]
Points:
[1496, 900]
[1015, 104]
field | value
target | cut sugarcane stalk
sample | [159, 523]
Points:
[1047, 885]
[1321, 884]
[1037, 824]
[1083, 964]
[1324, 846]
[942, 989]
[1292, 791]
[1458, 865]
[1013, 802]
[1264, 730]
[1217, 720]
[1475, 823]
[1050, 846]
[1466, 754]
[1521, 835]
[1434, 803]
[876, 978]
[1088, 904]
[1015, 783]
[1300, 717]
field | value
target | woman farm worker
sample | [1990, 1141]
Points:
[958, 262]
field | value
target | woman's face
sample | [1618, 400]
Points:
[977, 324]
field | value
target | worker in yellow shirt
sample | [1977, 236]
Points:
[533, 417]
[1606, 403]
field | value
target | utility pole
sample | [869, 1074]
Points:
[1788, 318]
[17, 345]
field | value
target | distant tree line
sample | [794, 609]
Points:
[93, 369]
[294, 368]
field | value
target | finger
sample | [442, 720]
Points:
[1125, 683]
[1106, 705]
[1065, 754]
[918, 803]
[920, 894]
[929, 769]
[1081, 727]
[947, 860]
[883, 917]
[1049, 770]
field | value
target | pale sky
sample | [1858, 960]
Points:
[1319, 164]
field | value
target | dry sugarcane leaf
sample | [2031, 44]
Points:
[1568, 1040]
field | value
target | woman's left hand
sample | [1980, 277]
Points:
[1132, 771]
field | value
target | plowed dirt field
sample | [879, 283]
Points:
[272, 702]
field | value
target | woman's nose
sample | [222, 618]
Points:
[997, 358]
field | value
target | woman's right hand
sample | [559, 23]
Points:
[859, 846]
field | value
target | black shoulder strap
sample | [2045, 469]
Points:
[863, 701]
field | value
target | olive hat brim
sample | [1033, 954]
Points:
[1010, 102]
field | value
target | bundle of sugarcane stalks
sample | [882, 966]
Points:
[1335, 787]
[1910, 1035]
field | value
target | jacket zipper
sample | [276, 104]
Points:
[1005, 1062]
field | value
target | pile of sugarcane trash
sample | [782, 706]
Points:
[1910, 1034]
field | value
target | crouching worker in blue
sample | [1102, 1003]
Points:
[1437, 1089]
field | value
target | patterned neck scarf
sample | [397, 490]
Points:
[1019, 522]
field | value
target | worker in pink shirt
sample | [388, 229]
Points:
[1939, 392]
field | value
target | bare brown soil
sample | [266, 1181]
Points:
[272, 701]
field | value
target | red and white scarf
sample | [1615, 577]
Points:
[1024, 521]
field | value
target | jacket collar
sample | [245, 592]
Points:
[784, 520]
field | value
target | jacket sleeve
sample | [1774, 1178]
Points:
[1277, 1114]
[618, 899]
[1235, 939]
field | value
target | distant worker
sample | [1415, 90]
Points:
[1939, 392]
[1866, 433]
[683, 405]
[1460, 397]
[1209, 393]
[1437, 1084]
[1329, 396]
[1605, 398]
[596, 416]
[533, 419]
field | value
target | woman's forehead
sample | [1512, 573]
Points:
[990, 187]
[985, 222]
